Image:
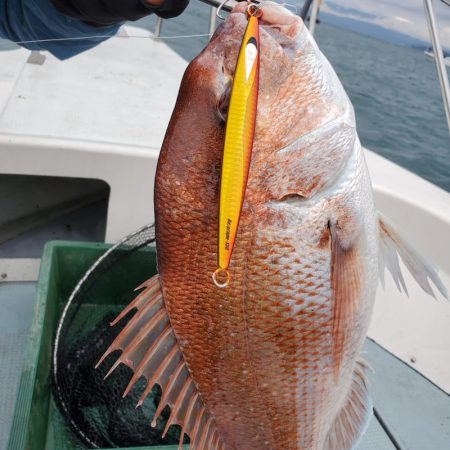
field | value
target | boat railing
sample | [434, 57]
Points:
[438, 55]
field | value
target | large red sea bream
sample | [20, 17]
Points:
[273, 360]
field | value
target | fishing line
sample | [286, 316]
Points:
[288, 6]
[117, 36]
[83, 38]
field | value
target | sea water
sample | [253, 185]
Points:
[394, 90]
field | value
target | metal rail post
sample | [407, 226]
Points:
[313, 18]
[158, 27]
[212, 20]
[438, 57]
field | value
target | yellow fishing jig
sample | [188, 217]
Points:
[239, 134]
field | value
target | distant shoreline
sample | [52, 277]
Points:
[375, 31]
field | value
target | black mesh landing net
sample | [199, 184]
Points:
[92, 407]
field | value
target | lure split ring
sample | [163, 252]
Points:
[221, 273]
[253, 9]
[219, 9]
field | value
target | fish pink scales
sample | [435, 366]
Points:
[272, 361]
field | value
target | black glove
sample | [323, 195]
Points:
[169, 8]
[109, 12]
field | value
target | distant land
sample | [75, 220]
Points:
[373, 30]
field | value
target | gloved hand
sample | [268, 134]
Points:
[168, 8]
[109, 12]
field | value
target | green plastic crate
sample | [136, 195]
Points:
[37, 424]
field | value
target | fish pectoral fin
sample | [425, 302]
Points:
[391, 246]
[346, 279]
[353, 419]
[150, 348]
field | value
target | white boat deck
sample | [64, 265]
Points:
[110, 107]
[121, 93]
[100, 115]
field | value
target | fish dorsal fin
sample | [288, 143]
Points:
[150, 348]
[391, 245]
[352, 420]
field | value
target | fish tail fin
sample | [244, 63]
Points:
[150, 348]
[353, 419]
[391, 246]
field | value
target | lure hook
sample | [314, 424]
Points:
[219, 9]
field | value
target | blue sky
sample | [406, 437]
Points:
[403, 16]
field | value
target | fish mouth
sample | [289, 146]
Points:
[272, 14]
[274, 19]
[279, 29]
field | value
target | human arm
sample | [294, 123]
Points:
[75, 25]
